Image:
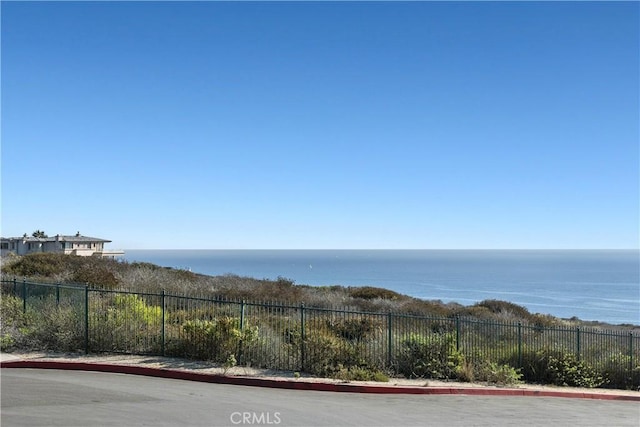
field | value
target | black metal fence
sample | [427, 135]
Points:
[299, 338]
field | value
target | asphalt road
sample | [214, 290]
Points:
[34, 397]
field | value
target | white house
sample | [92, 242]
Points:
[70, 245]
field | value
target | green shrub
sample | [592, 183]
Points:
[505, 309]
[37, 265]
[480, 367]
[11, 311]
[370, 292]
[12, 322]
[500, 374]
[216, 340]
[7, 342]
[354, 329]
[466, 371]
[617, 374]
[357, 373]
[56, 327]
[434, 356]
[474, 311]
[229, 363]
[97, 276]
[542, 321]
[133, 308]
[282, 289]
[558, 368]
[95, 271]
[292, 335]
[326, 354]
[534, 365]
[44, 326]
[124, 322]
[418, 307]
[203, 312]
[567, 370]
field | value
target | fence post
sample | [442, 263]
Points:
[242, 315]
[241, 343]
[631, 356]
[15, 287]
[24, 295]
[457, 333]
[163, 327]
[86, 319]
[302, 337]
[57, 294]
[389, 339]
[519, 344]
[578, 342]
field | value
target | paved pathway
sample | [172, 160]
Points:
[35, 397]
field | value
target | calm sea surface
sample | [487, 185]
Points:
[590, 284]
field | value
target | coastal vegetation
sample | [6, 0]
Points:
[145, 277]
[351, 333]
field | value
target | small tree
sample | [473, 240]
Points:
[39, 233]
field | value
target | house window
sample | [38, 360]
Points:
[4, 245]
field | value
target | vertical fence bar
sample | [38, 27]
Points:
[457, 333]
[241, 344]
[57, 294]
[519, 344]
[242, 303]
[15, 287]
[578, 342]
[163, 322]
[302, 337]
[24, 295]
[86, 319]
[631, 357]
[389, 339]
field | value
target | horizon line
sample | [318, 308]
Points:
[383, 249]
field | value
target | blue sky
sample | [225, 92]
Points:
[323, 125]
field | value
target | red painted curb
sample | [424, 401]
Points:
[301, 385]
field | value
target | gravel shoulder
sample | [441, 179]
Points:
[204, 367]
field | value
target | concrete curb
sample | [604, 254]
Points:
[302, 385]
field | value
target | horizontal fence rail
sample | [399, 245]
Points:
[320, 341]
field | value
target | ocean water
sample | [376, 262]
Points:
[602, 285]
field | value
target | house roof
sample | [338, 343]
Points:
[59, 238]
[80, 239]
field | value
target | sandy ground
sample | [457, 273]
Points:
[212, 368]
